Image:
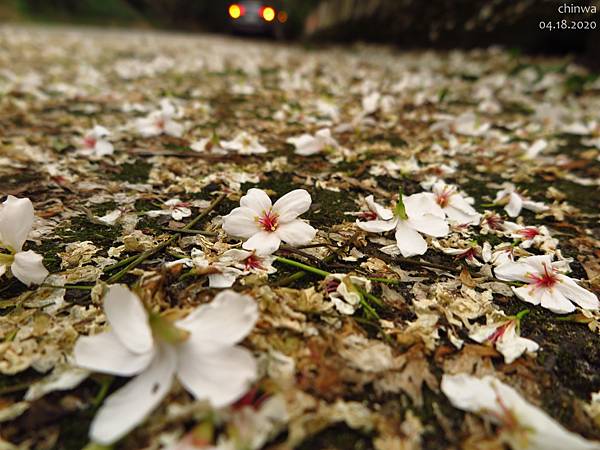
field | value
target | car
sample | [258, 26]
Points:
[257, 17]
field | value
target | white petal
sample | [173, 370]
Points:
[221, 376]
[513, 208]
[577, 294]
[292, 204]
[103, 148]
[377, 226]
[264, 243]
[224, 321]
[555, 301]
[296, 232]
[470, 393]
[423, 203]
[28, 268]
[534, 206]
[224, 279]
[257, 200]
[514, 271]
[409, 241]
[511, 345]
[241, 222]
[105, 353]
[130, 405]
[527, 294]
[16, 219]
[128, 318]
[429, 224]
[173, 128]
[382, 213]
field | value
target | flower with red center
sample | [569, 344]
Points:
[529, 232]
[95, 142]
[503, 332]
[494, 221]
[265, 225]
[545, 285]
[268, 221]
[160, 122]
[456, 207]
[253, 262]
[515, 201]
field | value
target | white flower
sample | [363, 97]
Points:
[537, 237]
[503, 332]
[95, 142]
[515, 202]
[211, 145]
[265, 225]
[417, 213]
[545, 284]
[344, 291]
[175, 208]
[468, 124]
[522, 425]
[244, 144]
[456, 207]
[160, 122]
[308, 144]
[199, 350]
[16, 220]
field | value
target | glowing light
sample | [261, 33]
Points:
[235, 12]
[282, 16]
[268, 14]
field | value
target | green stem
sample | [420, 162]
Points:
[384, 280]
[120, 263]
[522, 314]
[68, 286]
[105, 383]
[302, 266]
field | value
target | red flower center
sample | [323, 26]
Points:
[494, 221]
[529, 232]
[160, 123]
[89, 142]
[547, 280]
[368, 215]
[496, 335]
[253, 262]
[269, 221]
[443, 198]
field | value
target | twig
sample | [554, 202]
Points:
[148, 253]
[184, 231]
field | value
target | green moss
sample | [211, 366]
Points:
[134, 172]
[338, 437]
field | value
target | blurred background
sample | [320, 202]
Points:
[514, 24]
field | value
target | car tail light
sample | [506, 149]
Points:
[267, 13]
[236, 11]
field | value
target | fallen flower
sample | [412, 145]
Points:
[160, 122]
[16, 220]
[244, 144]
[537, 237]
[417, 213]
[308, 144]
[503, 332]
[522, 425]
[265, 225]
[345, 291]
[175, 208]
[95, 142]
[456, 207]
[199, 349]
[545, 285]
[515, 202]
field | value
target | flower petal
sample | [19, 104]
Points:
[377, 226]
[128, 319]
[221, 376]
[382, 213]
[241, 222]
[224, 321]
[130, 405]
[292, 204]
[28, 268]
[555, 301]
[264, 243]
[105, 353]
[296, 232]
[173, 128]
[514, 206]
[409, 241]
[527, 294]
[429, 224]
[423, 203]
[577, 294]
[257, 200]
[104, 148]
[16, 219]
[514, 271]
